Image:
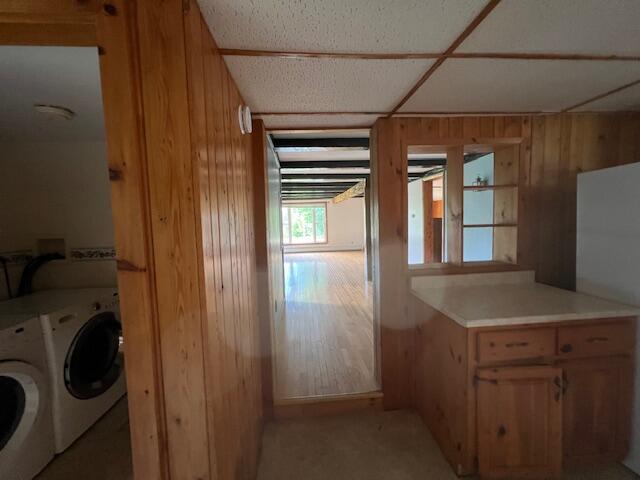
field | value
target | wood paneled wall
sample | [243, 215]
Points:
[182, 195]
[563, 146]
[223, 183]
[269, 259]
[390, 139]
[551, 150]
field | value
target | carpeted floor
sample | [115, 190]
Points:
[371, 446]
[103, 453]
[360, 446]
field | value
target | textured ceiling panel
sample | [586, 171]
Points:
[339, 25]
[318, 121]
[628, 99]
[314, 85]
[560, 26]
[63, 76]
[517, 85]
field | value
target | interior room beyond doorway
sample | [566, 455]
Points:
[325, 344]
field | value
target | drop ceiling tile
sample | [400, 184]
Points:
[606, 27]
[339, 26]
[318, 121]
[624, 100]
[482, 85]
[323, 85]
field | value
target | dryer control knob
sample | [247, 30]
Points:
[96, 306]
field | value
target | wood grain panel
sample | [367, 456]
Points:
[224, 187]
[133, 235]
[441, 393]
[168, 136]
[390, 139]
[563, 146]
[453, 204]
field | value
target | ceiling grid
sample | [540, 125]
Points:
[310, 64]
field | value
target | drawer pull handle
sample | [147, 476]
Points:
[516, 344]
[566, 348]
[597, 339]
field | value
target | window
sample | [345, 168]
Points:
[304, 224]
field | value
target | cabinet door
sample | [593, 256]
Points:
[597, 408]
[519, 419]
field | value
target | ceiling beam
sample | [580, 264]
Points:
[602, 95]
[328, 176]
[318, 184]
[239, 52]
[320, 142]
[488, 8]
[357, 189]
[414, 162]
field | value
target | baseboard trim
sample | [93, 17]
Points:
[327, 405]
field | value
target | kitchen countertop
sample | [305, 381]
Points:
[510, 298]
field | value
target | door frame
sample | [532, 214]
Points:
[111, 26]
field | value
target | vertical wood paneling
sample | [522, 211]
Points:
[389, 141]
[117, 35]
[225, 214]
[562, 147]
[453, 204]
[168, 143]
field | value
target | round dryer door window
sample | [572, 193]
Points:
[12, 399]
[93, 363]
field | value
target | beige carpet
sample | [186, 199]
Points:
[371, 446]
[362, 446]
[103, 453]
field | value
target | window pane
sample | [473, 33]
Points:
[477, 244]
[321, 223]
[286, 239]
[301, 224]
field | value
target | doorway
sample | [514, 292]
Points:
[61, 338]
[324, 343]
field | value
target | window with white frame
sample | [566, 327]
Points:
[304, 224]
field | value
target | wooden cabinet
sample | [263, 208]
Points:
[524, 401]
[519, 417]
[596, 408]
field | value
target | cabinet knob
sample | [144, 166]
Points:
[566, 348]
[502, 431]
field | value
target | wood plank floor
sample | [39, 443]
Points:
[325, 344]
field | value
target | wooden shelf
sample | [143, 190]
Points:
[486, 225]
[488, 187]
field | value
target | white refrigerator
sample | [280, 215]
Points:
[608, 252]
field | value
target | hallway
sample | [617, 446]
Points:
[325, 345]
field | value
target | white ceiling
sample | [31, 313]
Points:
[349, 85]
[315, 85]
[371, 26]
[608, 27]
[63, 76]
[517, 85]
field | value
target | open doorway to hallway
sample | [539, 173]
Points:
[325, 340]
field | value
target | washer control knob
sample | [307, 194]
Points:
[96, 306]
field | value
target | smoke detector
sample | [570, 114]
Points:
[54, 111]
[244, 119]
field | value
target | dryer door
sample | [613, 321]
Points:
[22, 396]
[93, 363]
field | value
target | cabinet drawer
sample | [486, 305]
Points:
[593, 340]
[516, 344]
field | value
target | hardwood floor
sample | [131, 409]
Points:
[325, 344]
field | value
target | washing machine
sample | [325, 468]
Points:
[82, 335]
[26, 429]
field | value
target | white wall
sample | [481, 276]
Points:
[56, 190]
[415, 223]
[345, 227]
[478, 209]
